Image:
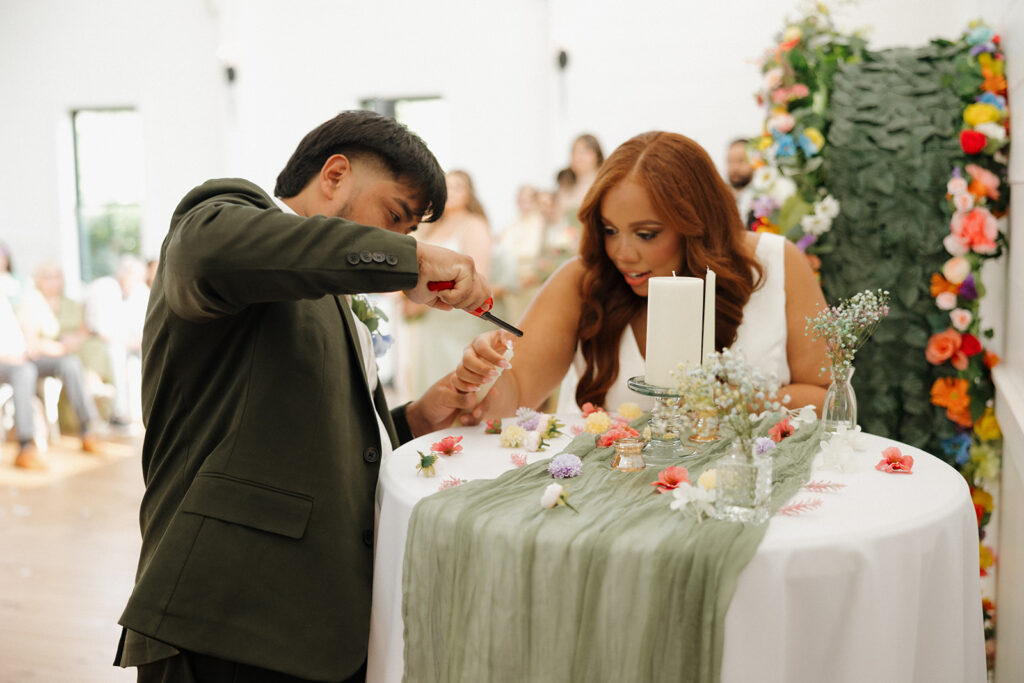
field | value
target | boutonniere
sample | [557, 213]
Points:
[371, 316]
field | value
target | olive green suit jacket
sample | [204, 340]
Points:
[261, 449]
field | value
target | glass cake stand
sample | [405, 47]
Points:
[666, 422]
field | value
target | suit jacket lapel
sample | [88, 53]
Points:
[353, 338]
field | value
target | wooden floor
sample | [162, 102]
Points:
[68, 552]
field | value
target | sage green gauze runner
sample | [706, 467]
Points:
[498, 589]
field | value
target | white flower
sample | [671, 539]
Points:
[828, 207]
[991, 130]
[764, 178]
[552, 493]
[773, 78]
[839, 451]
[532, 441]
[512, 436]
[783, 189]
[703, 499]
[814, 224]
[956, 269]
[956, 186]
[708, 480]
[805, 415]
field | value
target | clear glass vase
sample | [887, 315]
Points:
[743, 484]
[840, 401]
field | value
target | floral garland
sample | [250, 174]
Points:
[963, 387]
[788, 187]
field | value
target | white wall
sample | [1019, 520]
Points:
[59, 55]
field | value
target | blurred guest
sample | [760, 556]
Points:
[431, 338]
[22, 376]
[739, 172]
[585, 159]
[514, 263]
[151, 266]
[10, 285]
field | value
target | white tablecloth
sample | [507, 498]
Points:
[879, 583]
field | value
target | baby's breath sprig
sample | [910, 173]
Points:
[737, 390]
[848, 325]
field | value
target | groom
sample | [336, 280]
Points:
[263, 438]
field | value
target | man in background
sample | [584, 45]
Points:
[739, 172]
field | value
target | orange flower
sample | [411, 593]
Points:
[951, 392]
[941, 284]
[991, 360]
[994, 83]
[670, 478]
[942, 346]
[962, 416]
[959, 361]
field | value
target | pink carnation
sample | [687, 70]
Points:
[961, 318]
[977, 229]
[946, 301]
[963, 202]
[987, 179]
[956, 186]
[614, 434]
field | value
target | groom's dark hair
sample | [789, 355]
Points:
[368, 135]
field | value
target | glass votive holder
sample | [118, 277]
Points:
[629, 455]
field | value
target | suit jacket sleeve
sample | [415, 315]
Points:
[229, 246]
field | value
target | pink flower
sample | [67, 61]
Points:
[963, 202]
[956, 269]
[955, 245]
[576, 430]
[588, 408]
[781, 430]
[518, 459]
[782, 123]
[946, 301]
[449, 445]
[670, 478]
[451, 482]
[988, 180]
[961, 318]
[977, 229]
[614, 434]
[895, 462]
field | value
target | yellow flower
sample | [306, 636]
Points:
[985, 556]
[792, 34]
[993, 65]
[986, 462]
[765, 142]
[512, 436]
[815, 136]
[708, 480]
[982, 498]
[629, 411]
[597, 422]
[981, 112]
[987, 426]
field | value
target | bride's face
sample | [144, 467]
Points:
[636, 238]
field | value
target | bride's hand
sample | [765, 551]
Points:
[482, 361]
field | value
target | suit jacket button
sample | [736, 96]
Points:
[371, 454]
[365, 256]
[378, 257]
[368, 537]
[391, 259]
[353, 258]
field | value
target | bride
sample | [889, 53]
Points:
[657, 205]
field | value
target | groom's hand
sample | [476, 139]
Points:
[468, 291]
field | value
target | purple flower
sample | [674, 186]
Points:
[763, 206]
[763, 444]
[528, 419]
[806, 241]
[968, 290]
[565, 465]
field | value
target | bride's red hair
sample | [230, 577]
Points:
[689, 196]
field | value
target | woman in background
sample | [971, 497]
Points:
[432, 341]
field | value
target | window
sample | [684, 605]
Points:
[108, 187]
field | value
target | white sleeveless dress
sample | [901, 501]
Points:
[761, 335]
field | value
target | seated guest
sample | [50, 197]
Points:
[10, 284]
[657, 207]
[21, 375]
[46, 351]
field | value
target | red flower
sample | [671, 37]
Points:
[979, 512]
[493, 426]
[895, 462]
[670, 478]
[970, 345]
[588, 408]
[972, 141]
[781, 430]
[449, 445]
[614, 434]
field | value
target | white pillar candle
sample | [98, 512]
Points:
[709, 314]
[675, 316]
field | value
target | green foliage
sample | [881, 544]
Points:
[893, 141]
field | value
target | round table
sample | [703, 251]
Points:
[878, 583]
